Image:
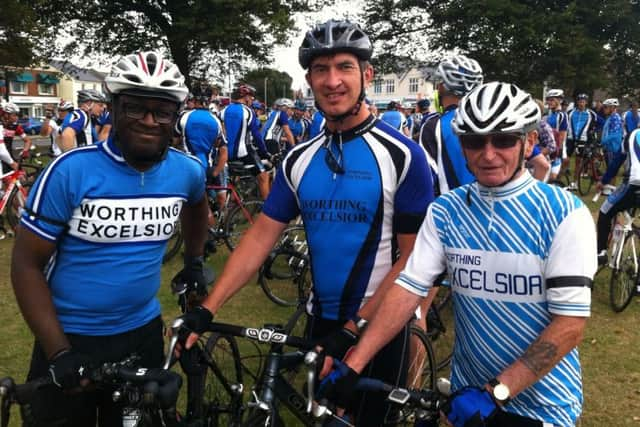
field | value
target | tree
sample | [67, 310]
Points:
[278, 84]
[576, 45]
[204, 37]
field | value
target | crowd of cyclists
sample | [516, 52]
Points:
[390, 201]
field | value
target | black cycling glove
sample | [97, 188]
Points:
[67, 368]
[191, 277]
[197, 320]
[339, 386]
[338, 343]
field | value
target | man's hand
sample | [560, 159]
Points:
[69, 370]
[339, 386]
[196, 321]
[25, 154]
[334, 346]
[470, 407]
[599, 187]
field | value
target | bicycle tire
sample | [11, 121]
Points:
[623, 277]
[237, 222]
[220, 392]
[173, 244]
[585, 176]
[284, 277]
[15, 205]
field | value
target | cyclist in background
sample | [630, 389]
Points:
[631, 119]
[515, 356]
[457, 75]
[103, 123]
[86, 264]
[242, 129]
[318, 124]
[581, 123]
[5, 156]
[298, 124]
[77, 129]
[612, 133]
[395, 118]
[557, 119]
[354, 186]
[277, 127]
[12, 129]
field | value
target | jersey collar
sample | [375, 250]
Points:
[356, 131]
[510, 189]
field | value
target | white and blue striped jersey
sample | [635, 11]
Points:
[515, 256]
[110, 224]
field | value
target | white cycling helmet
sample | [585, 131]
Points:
[65, 105]
[496, 107]
[11, 108]
[611, 102]
[460, 74]
[284, 102]
[147, 74]
[555, 93]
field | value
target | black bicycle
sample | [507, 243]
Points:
[148, 395]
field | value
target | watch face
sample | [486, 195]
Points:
[501, 392]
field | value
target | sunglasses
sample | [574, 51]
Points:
[332, 162]
[138, 112]
[500, 141]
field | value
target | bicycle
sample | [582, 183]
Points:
[232, 220]
[592, 166]
[148, 395]
[623, 261]
[16, 185]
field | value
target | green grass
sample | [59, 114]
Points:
[610, 351]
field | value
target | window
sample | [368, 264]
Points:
[38, 111]
[45, 89]
[413, 85]
[18, 87]
[377, 86]
[391, 86]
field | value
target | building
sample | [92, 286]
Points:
[32, 90]
[74, 78]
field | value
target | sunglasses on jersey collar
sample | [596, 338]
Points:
[332, 162]
[501, 141]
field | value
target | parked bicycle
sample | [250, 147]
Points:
[148, 395]
[592, 166]
[623, 261]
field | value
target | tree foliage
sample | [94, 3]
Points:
[278, 83]
[578, 45]
[23, 37]
[204, 37]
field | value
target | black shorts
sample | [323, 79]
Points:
[253, 159]
[51, 407]
[574, 146]
[389, 365]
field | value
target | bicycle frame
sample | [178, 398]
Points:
[618, 243]
[12, 179]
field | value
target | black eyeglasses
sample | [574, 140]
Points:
[331, 161]
[138, 112]
[500, 141]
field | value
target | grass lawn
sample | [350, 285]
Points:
[609, 352]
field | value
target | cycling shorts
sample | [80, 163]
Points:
[222, 180]
[253, 159]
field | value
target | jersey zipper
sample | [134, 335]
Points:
[142, 179]
[491, 213]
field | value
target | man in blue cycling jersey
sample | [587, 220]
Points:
[86, 262]
[298, 123]
[457, 75]
[557, 119]
[520, 256]
[631, 118]
[77, 130]
[242, 128]
[362, 189]
[581, 129]
[277, 127]
[318, 124]
[395, 118]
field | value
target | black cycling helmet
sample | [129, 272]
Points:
[334, 37]
[582, 96]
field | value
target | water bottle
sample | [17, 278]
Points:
[617, 232]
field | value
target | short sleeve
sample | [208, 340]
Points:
[414, 194]
[281, 205]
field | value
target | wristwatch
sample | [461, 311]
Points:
[360, 323]
[501, 392]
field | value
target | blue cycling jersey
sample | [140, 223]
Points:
[318, 123]
[516, 256]
[80, 122]
[580, 123]
[272, 129]
[395, 118]
[350, 217]
[299, 128]
[558, 120]
[199, 130]
[110, 224]
[242, 128]
[452, 165]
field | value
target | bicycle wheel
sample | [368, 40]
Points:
[624, 275]
[239, 220]
[221, 382]
[585, 177]
[421, 371]
[15, 205]
[285, 278]
[173, 244]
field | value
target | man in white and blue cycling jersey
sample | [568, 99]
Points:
[298, 123]
[77, 128]
[318, 124]
[242, 129]
[520, 255]
[360, 188]
[277, 127]
[631, 118]
[581, 122]
[557, 119]
[86, 262]
[457, 75]
[395, 117]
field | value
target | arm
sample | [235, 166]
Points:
[104, 132]
[67, 139]
[556, 340]
[29, 257]
[288, 135]
[223, 156]
[193, 220]
[540, 167]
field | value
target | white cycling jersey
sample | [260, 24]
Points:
[516, 256]
[4, 153]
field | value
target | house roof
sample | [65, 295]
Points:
[78, 73]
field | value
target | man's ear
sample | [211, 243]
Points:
[531, 140]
